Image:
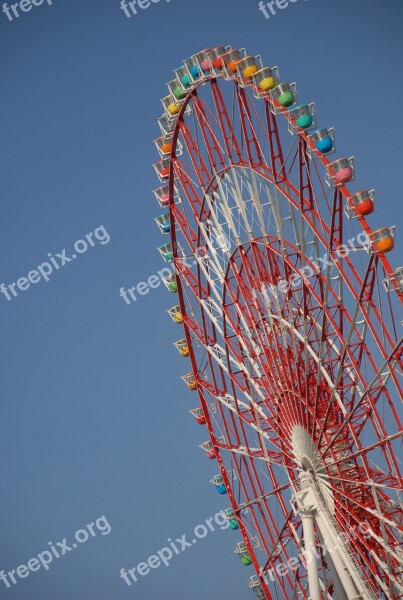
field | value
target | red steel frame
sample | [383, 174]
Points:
[309, 401]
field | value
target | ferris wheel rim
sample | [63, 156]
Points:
[366, 228]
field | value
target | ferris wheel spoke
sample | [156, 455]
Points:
[248, 485]
[367, 305]
[188, 186]
[227, 129]
[278, 542]
[214, 150]
[251, 405]
[276, 152]
[286, 270]
[252, 145]
[343, 359]
[186, 229]
[365, 450]
[199, 166]
[376, 385]
[366, 537]
[379, 554]
[251, 333]
[260, 271]
[197, 332]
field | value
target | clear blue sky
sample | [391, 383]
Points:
[94, 418]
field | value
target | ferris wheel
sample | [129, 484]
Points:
[290, 314]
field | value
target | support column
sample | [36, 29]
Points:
[339, 591]
[345, 574]
[310, 549]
